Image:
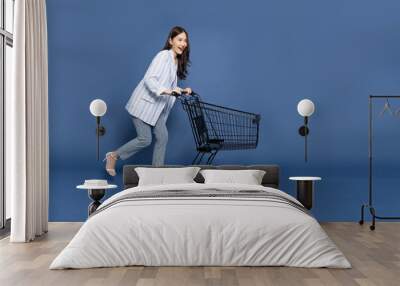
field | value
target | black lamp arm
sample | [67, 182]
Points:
[100, 131]
[304, 131]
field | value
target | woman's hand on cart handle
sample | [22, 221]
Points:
[175, 92]
[187, 91]
[184, 91]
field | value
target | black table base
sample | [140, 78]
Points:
[305, 193]
[96, 195]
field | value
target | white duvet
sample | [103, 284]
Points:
[200, 231]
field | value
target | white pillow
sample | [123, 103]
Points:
[165, 176]
[248, 177]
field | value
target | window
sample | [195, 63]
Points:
[6, 60]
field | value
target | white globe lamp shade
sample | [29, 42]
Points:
[98, 107]
[305, 107]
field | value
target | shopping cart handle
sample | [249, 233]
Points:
[183, 92]
[175, 94]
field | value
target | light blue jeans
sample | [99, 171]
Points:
[144, 138]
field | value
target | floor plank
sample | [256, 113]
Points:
[375, 257]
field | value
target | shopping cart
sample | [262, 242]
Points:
[218, 128]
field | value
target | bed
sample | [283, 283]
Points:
[198, 224]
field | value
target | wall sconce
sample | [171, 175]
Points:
[305, 108]
[98, 108]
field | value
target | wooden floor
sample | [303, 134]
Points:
[375, 257]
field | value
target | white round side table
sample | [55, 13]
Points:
[96, 194]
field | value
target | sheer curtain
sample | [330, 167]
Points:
[27, 167]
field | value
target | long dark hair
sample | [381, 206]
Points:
[183, 59]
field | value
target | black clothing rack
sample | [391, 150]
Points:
[370, 156]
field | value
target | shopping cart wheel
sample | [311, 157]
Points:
[361, 222]
[372, 227]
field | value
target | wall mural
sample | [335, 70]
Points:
[261, 57]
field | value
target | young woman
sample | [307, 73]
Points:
[151, 101]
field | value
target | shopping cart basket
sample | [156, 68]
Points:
[218, 128]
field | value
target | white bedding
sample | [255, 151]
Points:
[200, 231]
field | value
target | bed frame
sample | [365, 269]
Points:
[270, 179]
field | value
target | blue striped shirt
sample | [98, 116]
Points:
[147, 101]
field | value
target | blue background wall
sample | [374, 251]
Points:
[258, 56]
